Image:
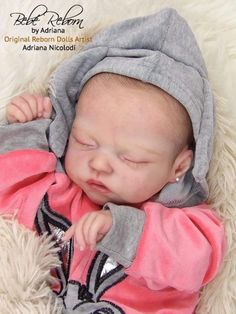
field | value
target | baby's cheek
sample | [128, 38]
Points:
[74, 164]
[133, 187]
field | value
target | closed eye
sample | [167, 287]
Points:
[85, 144]
[134, 163]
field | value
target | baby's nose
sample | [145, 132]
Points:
[101, 163]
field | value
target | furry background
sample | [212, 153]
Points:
[214, 25]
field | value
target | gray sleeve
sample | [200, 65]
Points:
[121, 242]
[29, 135]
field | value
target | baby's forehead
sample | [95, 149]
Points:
[135, 96]
[130, 87]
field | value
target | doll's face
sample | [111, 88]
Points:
[122, 147]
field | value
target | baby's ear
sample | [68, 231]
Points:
[181, 164]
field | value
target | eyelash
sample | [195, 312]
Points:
[85, 144]
[134, 163]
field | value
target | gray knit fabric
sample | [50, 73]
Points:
[160, 49]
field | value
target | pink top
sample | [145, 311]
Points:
[179, 251]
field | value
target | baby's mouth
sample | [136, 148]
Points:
[97, 186]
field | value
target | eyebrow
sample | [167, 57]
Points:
[142, 148]
[154, 151]
[147, 150]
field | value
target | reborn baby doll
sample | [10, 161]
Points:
[130, 184]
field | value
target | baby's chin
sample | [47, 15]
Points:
[110, 197]
[102, 202]
[103, 199]
[99, 199]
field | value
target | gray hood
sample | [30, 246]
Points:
[159, 49]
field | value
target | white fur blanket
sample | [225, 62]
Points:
[26, 258]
